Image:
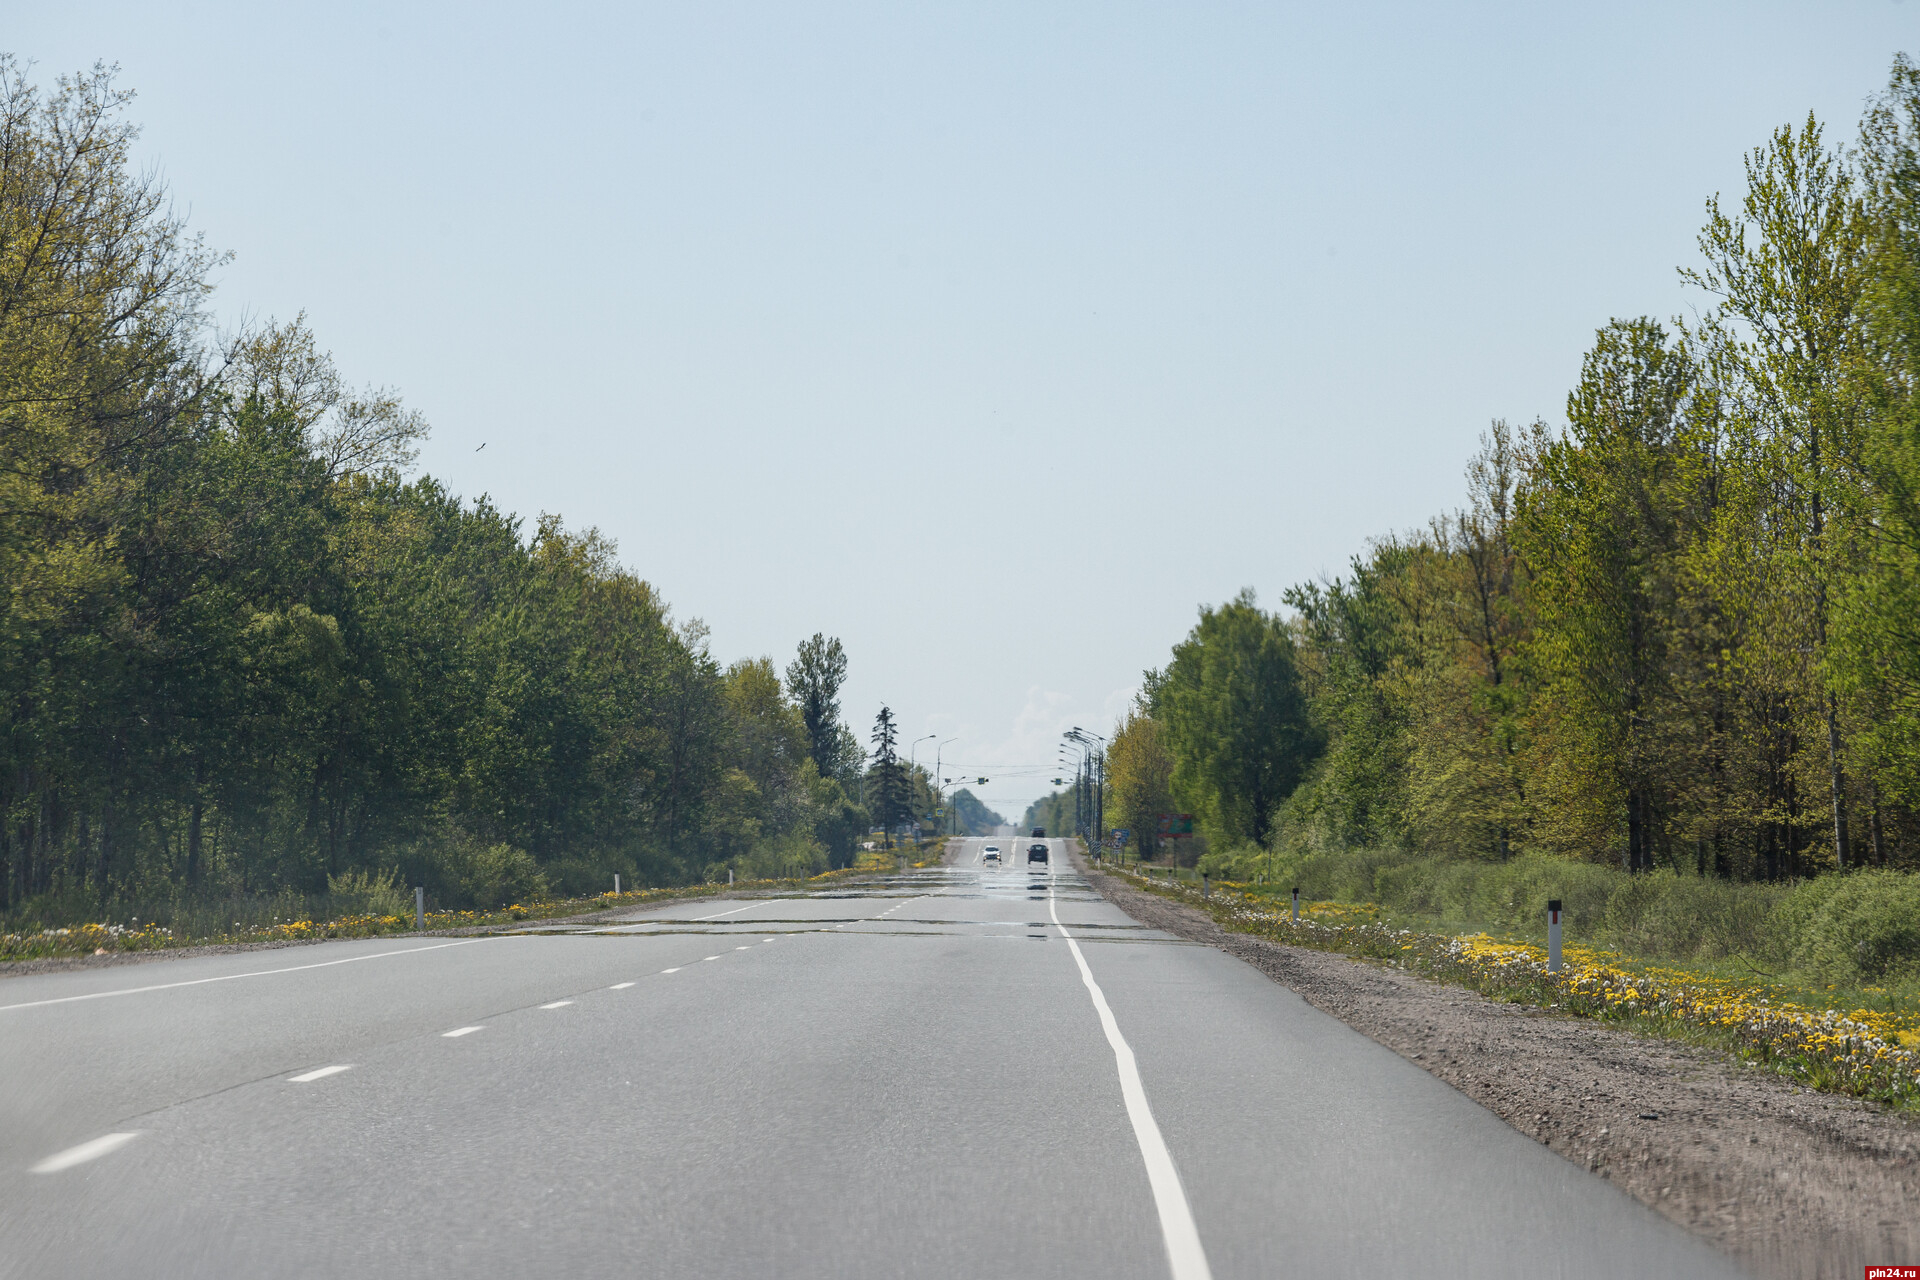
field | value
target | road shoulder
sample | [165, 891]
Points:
[1787, 1181]
[115, 959]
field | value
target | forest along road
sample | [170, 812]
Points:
[966, 1070]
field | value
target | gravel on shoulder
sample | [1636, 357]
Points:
[1790, 1182]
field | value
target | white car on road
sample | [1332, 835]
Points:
[990, 854]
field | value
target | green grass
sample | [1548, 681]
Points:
[1863, 1041]
[302, 918]
[1855, 935]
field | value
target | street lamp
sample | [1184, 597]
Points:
[938, 747]
[1096, 786]
[912, 768]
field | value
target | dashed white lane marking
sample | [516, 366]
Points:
[1186, 1258]
[743, 948]
[675, 969]
[307, 1077]
[619, 986]
[230, 977]
[766, 939]
[709, 957]
[556, 1004]
[460, 1031]
[736, 911]
[84, 1152]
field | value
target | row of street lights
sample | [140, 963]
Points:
[1089, 786]
[1089, 778]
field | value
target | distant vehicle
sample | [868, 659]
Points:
[1036, 853]
[1039, 833]
[990, 854]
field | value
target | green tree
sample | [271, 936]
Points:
[1789, 271]
[814, 678]
[1875, 652]
[973, 816]
[889, 793]
[1236, 720]
[1601, 528]
[1139, 779]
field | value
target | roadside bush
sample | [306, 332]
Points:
[1240, 864]
[362, 893]
[1688, 918]
[583, 877]
[460, 871]
[1861, 927]
[499, 874]
[795, 855]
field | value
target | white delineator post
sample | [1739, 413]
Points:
[616, 884]
[419, 907]
[1296, 906]
[1553, 935]
[729, 877]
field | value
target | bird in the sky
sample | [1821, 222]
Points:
[483, 444]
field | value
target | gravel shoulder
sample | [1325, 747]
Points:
[1789, 1182]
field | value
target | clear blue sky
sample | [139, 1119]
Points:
[993, 339]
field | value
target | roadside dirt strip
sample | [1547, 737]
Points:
[1789, 1182]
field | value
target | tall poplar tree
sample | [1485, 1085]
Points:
[814, 678]
[888, 789]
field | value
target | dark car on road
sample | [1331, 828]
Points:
[1039, 833]
[1036, 853]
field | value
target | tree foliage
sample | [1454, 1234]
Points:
[814, 678]
[1235, 719]
[972, 814]
[890, 791]
[241, 651]
[1678, 631]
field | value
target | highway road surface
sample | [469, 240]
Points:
[967, 1071]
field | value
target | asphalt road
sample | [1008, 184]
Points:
[963, 1071]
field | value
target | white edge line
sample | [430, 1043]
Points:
[320, 1074]
[229, 977]
[460, 1031]
[1186, 1258]
[84, 1152]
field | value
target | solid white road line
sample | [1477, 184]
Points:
[460, 1031]
[309, 1076]
[620, 986]
[556, 1004]
[229, 977]
[84, 1152]
[1186, 1259]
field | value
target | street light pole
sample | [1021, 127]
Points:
[1094, 759]
[937, 781]
[913, 768]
